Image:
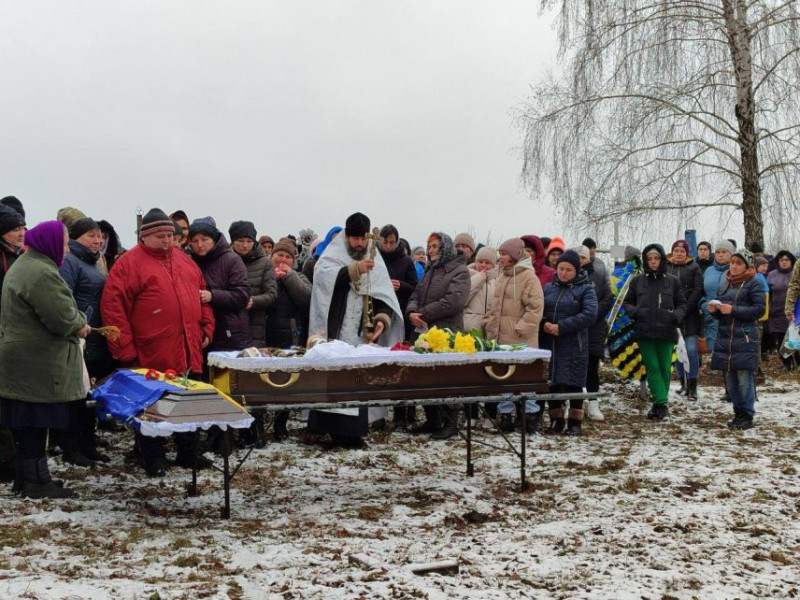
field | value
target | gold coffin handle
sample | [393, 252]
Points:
[490, 372]
[293, 377]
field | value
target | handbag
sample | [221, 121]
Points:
[702, 345]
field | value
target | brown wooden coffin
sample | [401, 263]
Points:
[384, 382]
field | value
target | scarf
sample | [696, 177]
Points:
[749, 273]
[48, 238]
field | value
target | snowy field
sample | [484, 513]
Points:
[635, 510]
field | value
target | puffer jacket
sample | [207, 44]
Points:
[263, 290]
[86, 281]
[691, 278]
[287, 318]
[736, 348]
[778, 281]
[573, 307]
[517, 306]
[712, 278]
[655, 301]
[442, 294]
[605, 300]
[479, 301]
[543, 272]
[226, 278]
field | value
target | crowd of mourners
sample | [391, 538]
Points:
[186, 289]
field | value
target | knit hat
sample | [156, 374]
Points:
[179, 215]
[466, 239]
[757, 247]
[69, 215]
[9, 219]
[357, 225]
[571, 257]
[156, 220]
[514, 247]
[681, 244]
[285, 245]
[242, 229]
[746, 256]
[556, 244]
[416, 249]
[760, 261]
[206, 226]
[487, 253]
[583, 252]
[631, 252]
[82, 226]
[589, 243]
[266, 238]
[725, 245]
[13, 202]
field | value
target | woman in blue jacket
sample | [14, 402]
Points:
[570, 308]
[740, 302]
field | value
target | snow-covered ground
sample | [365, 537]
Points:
[632, 509]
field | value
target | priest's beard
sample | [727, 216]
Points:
[356, 254]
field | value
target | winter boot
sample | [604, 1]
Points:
[533, 423]
[38, 483]
[745, 422]
[661, 412]
[450, 425]
[432, 423]
[737, 417]
[574, 422]
[556, 420]
[593, 410]
[684, 388]
[279, 428]
[506, 424]
[691, 393]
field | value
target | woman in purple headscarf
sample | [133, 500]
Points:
[41, 368]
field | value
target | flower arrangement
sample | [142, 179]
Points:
[444, 340]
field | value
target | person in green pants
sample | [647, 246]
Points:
[656, 304]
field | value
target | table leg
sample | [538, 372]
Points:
[470, 466]
[523, 446]
[226, 472]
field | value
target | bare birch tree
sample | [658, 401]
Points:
[670, 105]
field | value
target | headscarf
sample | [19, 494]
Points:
[328, 239]
[48, 238]
[447, 250]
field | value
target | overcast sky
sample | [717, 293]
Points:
[291, 114]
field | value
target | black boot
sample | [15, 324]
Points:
[506, 423]
[533, 423]
[691, 393]
[557, 421]
[574, 422]
[432, 423]
[684, 388]
[38, 483]
[450, 427]
[279, 426]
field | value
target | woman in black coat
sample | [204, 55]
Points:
[680, 264]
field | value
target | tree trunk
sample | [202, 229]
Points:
[739, 43]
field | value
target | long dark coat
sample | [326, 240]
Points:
[442, 294]
[287, 318]
[736, 348]
[263, 290]
[691, 277]
[573, 307]
[605, 300]
[655, 302]
[226, 277]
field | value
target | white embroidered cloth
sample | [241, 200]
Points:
[166, 428]
[337, 356]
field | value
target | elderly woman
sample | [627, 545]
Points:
[263, 289]
[740, 302]
[41, 368]
[228, 285]
[439, 300]
[80, 271]
[777, 323]
[570, 309]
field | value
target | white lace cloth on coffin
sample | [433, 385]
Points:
[165, 429]
[337, 356]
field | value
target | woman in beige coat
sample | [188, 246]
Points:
[483, 280]
[515, 314]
